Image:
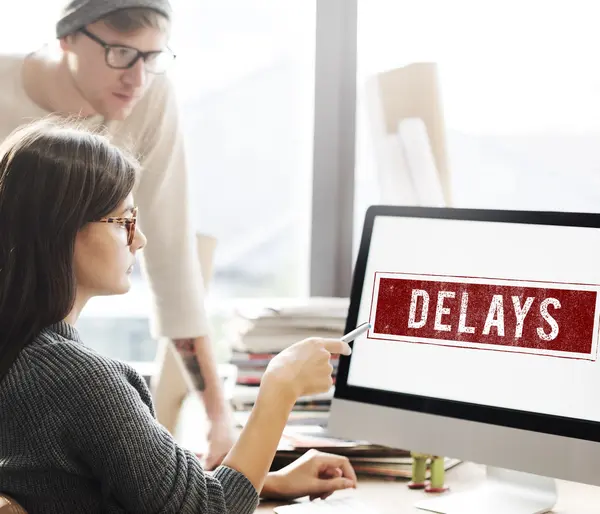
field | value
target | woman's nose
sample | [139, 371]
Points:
[139, 240]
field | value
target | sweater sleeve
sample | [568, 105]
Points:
[170, 258]
[135, 459]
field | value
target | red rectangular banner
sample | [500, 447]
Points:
[551, 319]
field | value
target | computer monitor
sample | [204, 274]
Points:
[483, 347]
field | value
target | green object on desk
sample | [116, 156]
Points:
[436, 483]
[419, 472]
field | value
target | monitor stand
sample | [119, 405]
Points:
[502, 492]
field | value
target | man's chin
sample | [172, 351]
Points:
[116, 112]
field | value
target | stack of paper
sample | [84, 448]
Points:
[273, 327]
[308, 410]
[259, 332]
[366, 459]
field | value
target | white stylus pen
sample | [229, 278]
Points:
[351, 336]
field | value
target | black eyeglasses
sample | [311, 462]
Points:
[120, 57]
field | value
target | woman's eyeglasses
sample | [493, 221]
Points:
[129, 223]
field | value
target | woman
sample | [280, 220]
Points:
[77, 430]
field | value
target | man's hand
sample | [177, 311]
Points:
[221, 438]
[315, 474]
[200, 364]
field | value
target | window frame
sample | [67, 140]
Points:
[332, 223]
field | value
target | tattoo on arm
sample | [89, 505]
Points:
[187, 350]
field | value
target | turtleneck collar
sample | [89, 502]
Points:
[66, 330]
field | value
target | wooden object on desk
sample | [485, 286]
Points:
[171, 382]
[394, 497]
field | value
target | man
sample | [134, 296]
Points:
[110, 70]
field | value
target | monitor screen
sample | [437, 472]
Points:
[498, 314]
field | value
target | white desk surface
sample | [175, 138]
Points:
[394, 497]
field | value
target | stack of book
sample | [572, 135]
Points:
[270, 328]
[257, 333]
[309, 410]
[366, 459]
[251, 367]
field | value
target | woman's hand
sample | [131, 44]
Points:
[302, 369]
[305, 367]
[315, 474]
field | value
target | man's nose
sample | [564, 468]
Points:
[135, 76]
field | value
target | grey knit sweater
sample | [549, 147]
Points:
[78, 434]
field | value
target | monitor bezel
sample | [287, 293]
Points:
[537, 422]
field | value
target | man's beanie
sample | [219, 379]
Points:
[76, 14]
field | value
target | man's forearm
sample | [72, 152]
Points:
[200, 363]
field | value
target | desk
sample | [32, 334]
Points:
[394, 497]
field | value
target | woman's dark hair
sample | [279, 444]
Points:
[55, 177]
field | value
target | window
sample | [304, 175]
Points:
[245, 78]
[520, 92]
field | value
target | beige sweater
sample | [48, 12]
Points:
[153, 133]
